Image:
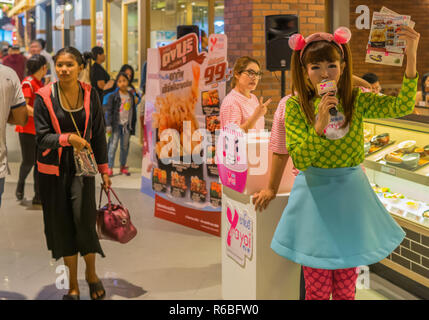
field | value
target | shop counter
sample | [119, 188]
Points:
[250, 268]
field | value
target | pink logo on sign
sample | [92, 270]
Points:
[233, 222]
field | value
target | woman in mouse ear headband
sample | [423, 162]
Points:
[334, 222]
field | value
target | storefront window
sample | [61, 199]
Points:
[166, 15]
[133, 46]
[99, 18]
[115, 36]
[219, 17]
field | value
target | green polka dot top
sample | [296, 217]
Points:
[308, 149]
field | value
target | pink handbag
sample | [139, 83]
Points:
[113, 220]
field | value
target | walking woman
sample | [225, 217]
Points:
[69, 208]
[37, 69]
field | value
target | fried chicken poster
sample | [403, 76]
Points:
[187, 87]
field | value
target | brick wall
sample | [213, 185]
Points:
[390, 76]
[245, 24]
[413, 253]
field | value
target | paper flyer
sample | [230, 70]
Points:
[384, 46]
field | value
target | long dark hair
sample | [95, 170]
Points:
[121, 74]
[80, 59]
[35, 63]
[316, 52]
[424, 93]
[126, 67]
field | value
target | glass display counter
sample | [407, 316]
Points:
[397, 165]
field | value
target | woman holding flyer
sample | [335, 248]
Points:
[334, 222]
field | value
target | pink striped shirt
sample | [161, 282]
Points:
[278, 132]
[236, 108]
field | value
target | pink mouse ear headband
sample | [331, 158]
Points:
[341, 36]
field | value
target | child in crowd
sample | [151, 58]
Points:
[121, 115]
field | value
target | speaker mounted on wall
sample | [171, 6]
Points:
[278, 29]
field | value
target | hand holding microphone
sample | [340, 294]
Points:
[328, 87]
[327, 105]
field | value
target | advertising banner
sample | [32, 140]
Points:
[184, 88]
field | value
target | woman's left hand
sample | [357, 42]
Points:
[107, 183]
[412, 37]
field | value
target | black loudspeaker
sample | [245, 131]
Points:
[278, 29]
[183, 30]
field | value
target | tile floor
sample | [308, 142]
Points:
[164, 261]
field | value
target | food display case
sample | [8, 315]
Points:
[397, 165]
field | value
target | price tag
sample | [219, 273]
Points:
[389, 170]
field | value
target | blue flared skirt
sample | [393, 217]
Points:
[334, 220]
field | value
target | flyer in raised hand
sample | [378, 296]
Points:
[384, 47]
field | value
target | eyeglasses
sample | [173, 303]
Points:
[252, 74]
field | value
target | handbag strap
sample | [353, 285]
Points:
[109, 203]
[71, 115]
[108, 197]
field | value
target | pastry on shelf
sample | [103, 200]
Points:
[380, 189]
[413, 205]
[381, 139]
[392, 158]
[407, 146]
[394, 197]
[426, 214]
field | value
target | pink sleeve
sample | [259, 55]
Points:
[278, 131]
[230, 113]
[64, 140]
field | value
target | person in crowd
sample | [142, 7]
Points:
[129, 71]
[16, 61]
[36, 68]
[69, 208]
[50, 76]
[241, 106]
[143, 78]
[13, 110]
[84, 76]
[332, 199]
[204, 41]
[372, 79]
[4, 53]
[98, 75]
[121, 115]
[423, 93]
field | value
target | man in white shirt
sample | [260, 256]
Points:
[13, 110]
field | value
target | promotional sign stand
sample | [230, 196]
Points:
[186, 87]
[250, 268]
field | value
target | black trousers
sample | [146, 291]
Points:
[28, 152]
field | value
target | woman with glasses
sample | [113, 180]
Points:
[241, 106]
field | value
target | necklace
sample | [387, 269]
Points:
[67, 100]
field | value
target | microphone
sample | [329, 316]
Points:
[328, 87]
